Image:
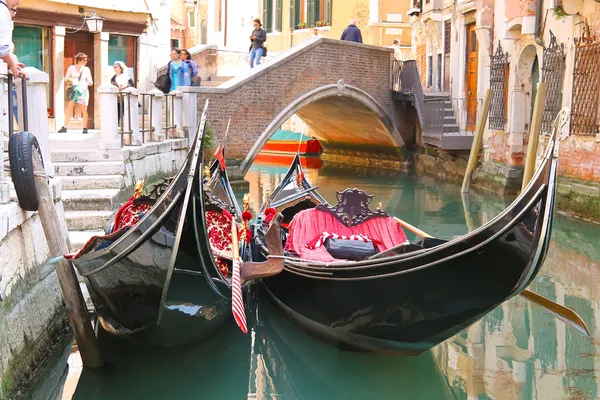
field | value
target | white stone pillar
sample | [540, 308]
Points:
[4, 183]
[178, 113]
[37, 111]
[190, 111]
[132, 112]
[109, 133]
[58, 63]
[157, 115]
[102, 73]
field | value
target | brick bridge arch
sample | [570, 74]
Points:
[327, 110]
[360, 114]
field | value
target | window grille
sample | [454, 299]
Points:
[553, 70]
[586, 85]
[499, 85]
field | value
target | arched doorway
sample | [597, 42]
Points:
[523, 90]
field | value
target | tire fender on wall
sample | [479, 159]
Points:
[22, 147]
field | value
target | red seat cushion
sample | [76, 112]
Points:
[308, 224]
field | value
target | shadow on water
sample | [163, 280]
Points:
[518, 351]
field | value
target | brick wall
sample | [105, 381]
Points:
[253, 102]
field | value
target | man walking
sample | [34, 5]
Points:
[352, 33]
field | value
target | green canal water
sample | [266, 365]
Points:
[518, 351]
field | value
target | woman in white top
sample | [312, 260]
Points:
[78, 80]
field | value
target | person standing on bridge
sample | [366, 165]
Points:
[352, 33]
[258, 39]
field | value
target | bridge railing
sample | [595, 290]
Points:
[396, 70]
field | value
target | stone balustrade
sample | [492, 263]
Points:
[147, 117]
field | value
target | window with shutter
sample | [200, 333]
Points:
[310, 11]
[327, 16]
[279, 15]
[268, 15]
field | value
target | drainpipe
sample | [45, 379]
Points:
[538, 22]
[225, 26]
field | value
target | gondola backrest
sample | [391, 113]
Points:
[352, 208]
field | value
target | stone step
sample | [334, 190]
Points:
[211, 83]
[222, 78]
[96, 155]
[89, 168]
[92, 182]
[75, 140]
[87, 220]
[79, 238]
[94, 200]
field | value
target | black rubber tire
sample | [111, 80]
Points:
[21, 147]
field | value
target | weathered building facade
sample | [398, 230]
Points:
[289, 23]
[463, 48]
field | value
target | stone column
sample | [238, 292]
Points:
[109, 133]
[4, 183]
[37, 111]
[190, 111]
[157, 115]
[58, 62]
[132, 112]
[178, 114]
[102, 73]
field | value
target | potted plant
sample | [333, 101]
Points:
[302, 25]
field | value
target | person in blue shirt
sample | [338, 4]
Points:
[174, 66]
[189, 69]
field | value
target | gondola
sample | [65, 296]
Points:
[399, 297]
[145, 276]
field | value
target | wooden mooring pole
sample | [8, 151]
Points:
[477, 140]
[69, 285]
[534, 136]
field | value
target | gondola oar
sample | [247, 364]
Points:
[563, 313]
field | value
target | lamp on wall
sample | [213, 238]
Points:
[92, 20]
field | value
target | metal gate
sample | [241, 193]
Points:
[553, 72]
[586, 85]
[499, 86]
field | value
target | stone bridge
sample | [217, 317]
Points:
[341, 90]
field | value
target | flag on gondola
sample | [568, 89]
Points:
[237, 301]
[221, 158]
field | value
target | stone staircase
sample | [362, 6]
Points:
[91, 183]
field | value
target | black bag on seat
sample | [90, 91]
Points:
[354, 250]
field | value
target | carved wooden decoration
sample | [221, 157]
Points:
[352, 208]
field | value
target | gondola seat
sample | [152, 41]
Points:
[311, 223]
[218, 228]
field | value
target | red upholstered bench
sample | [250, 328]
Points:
[308, 224]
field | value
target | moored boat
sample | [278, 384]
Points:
[145, 277]
[284, 141]
[351, 278]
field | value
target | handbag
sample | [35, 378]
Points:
[345, 249]
[264, 54]
[71, 90]
[163, 82]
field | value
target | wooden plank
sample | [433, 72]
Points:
[69, 285]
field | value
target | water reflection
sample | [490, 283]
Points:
[518, 351]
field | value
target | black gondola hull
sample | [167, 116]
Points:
[408, 303]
